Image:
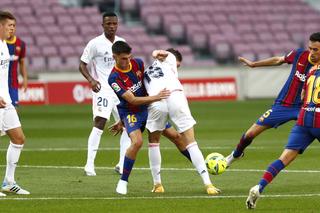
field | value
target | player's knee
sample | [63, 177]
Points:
[19, 140]
[137, 144]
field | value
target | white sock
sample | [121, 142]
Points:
[93, 145]
[198, 162]
[155, 161]
[125, 142]
[13, 154]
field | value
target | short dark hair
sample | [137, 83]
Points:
[121, 47]
[6, 15]
[176, 53]
[108, 14]
[315, 37]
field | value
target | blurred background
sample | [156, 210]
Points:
[210, 34]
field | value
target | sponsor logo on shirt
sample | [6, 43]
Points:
[301, 76]
[136, 86]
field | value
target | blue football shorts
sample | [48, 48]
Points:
[134, 121]
[301, 137]
[278, 115]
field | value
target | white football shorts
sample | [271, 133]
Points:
[9, 119]
[175, 108]
[104, 103]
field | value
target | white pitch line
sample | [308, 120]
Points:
[62, 149]
[156, 198]
[163, 169]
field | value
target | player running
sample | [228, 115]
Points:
[287, 105]
[302, 134]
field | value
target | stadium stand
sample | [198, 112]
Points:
[218, 30]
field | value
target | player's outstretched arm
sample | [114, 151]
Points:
[132, 99]
[95, 85]
[273, 61]
[161, 55]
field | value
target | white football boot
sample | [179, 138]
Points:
[14, 188]
[254, 194]
[230, 159]
[122, 187]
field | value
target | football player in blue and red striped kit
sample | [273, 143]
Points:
[17, 51]
[302, 134]
[287, 105]
[126, 79]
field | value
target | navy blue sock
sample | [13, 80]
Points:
[244, 142]
[271, 172]
[186, 154]
[127, 167]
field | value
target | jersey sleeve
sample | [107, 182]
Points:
[140, 64]
[289, 58]
[117, 84]
[88, 53]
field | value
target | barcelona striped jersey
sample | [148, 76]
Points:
[131, 79]
[17, 50]
[290, 94]
[309, 115]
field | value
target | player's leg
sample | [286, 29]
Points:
[102, 108]
[155, 160]
[175, 137]
[272, 118]
[12, 127]
[134, 124]
[130, 157]
[17, 140]
[245, 141]
[93, 144]
[125, 142]
[299, 139]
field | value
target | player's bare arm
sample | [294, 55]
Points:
[24, 74]
[160, 54]
[95, 85]
[132, 99]
[116, 128]
[2, 103]
[273, 61]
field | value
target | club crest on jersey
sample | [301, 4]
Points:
[301, 76]
[115, 87]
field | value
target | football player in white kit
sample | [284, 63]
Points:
[98, 55]
[163, 74]
[9, 120]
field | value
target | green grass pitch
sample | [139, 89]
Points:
[51, 164]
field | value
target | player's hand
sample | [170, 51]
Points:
[24, 85]
[116, 128]
[246, 62]
[95, 85]
[163, 94]
[2, 103]
[161, 55]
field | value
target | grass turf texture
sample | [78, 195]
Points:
[51, 166]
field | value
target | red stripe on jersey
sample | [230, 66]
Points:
[295, 83]
[19, 51]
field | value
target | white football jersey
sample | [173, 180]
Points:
[162, 75]
[4, 72]
[98, 54]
